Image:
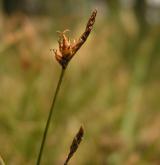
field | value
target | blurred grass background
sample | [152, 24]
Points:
[111, 86]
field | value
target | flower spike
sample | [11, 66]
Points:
[67, 49]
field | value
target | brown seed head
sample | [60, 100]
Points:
[75, 144]
[67, 49]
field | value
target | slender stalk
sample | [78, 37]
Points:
[49, 116]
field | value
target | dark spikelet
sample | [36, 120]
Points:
[87, 31]
[75, 144]
[89, 25]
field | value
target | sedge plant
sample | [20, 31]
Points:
[63, 55]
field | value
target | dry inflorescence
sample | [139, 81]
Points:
[67, 49]
[75, 144]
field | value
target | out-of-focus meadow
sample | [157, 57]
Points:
[111, 86]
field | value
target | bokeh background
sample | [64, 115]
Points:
[111, 87]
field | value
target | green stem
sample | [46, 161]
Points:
[49, 117]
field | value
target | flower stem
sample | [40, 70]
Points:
[49, 116]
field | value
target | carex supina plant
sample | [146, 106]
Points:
[66, 51]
